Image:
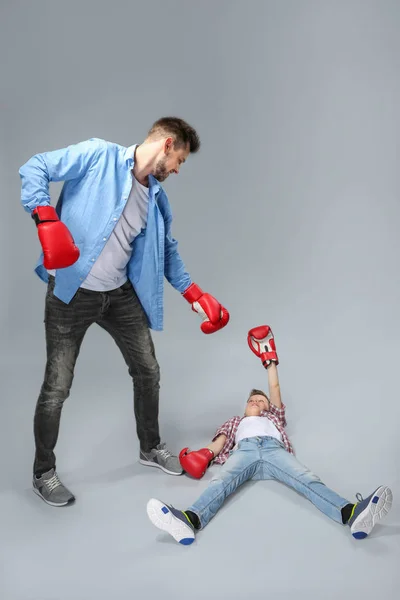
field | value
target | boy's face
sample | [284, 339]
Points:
[255, 405]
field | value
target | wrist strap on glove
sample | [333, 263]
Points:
[44, 214]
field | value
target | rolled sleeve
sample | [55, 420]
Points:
[279, 413]
[223, 430]
[68, 163]
[228, 429]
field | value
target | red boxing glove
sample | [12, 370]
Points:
[59, 250]
[197, 462]
[261, 342]
[214, 315]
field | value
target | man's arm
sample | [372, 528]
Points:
[213, 314]
[273, 385]
[58, 165]
[174, 267]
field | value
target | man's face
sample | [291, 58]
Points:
[255, 405]
[170, 161]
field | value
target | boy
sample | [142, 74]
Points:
[256, 446]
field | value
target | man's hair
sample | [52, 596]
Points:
[255, 392]
[182, 133]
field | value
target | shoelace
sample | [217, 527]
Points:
[164, 453]
[52, 483]
[359, 497]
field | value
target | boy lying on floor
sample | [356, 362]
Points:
[256, 446]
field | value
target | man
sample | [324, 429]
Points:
[106, 247]
[256, 446]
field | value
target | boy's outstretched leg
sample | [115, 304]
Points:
[360, 517]
[242, 465]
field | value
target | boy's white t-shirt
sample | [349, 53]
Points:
[256, 426]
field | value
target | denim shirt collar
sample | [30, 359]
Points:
[154, 184]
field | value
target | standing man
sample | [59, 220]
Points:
[106, 248]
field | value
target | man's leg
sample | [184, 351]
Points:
[361, 517]
[126, 322]
[243, 465]
[65, 327]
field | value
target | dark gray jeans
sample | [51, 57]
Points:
[120, 313]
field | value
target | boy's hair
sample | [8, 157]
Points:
[177, 128]
[255, 392]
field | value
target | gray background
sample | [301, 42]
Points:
[289, 216]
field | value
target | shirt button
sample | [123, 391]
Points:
[92, 259]
[104, 239]
[115, 218]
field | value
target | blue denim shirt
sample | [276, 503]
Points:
[98, 179]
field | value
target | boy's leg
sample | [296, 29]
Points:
[241, 466]
[361, 517]
[285, 467]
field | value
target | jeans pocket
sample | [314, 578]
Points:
[54, 304]
[51, 283]
[51, 297]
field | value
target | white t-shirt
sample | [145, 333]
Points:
[109, 270]
[256, 426]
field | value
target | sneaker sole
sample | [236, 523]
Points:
[153, 464]
[377, 508]
[160, 515]
[58, 504]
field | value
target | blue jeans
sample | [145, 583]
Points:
[265, 458]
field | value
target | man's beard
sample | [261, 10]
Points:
[160, 172]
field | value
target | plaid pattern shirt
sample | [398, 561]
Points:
[230, 427]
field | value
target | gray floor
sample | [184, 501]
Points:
[266, 540]
[289, 216]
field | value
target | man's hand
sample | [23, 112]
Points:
[59, 250]
[214, 315]
[196, 462]
[261, 342]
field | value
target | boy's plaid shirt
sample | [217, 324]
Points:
[229, 428]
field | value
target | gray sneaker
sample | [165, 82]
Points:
[163, 459]
[51, 490]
